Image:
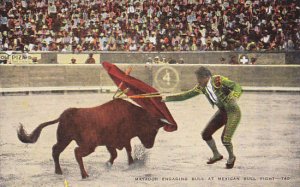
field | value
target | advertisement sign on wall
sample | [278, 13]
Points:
[20, 58]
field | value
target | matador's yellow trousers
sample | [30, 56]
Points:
[229, 116]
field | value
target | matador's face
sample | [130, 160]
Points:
[202, 81]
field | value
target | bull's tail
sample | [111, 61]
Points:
[32, 138]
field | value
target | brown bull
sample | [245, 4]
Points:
[112, 124]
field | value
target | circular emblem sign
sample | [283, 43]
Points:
[166, 78]
[244, 59]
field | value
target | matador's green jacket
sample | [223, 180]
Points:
[225, 90]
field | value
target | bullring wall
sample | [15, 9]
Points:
[166, 78]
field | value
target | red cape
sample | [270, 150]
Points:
[153, 105]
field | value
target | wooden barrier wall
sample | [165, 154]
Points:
[167, 78]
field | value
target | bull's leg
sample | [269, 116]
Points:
[113, 154]
[128, 150]
[82, 152]
[56, 150]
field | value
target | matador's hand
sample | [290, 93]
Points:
[233, 96]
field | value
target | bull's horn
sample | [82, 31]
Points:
[165, 121]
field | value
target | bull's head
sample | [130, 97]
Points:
[148, 132]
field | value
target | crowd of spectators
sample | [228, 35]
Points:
[152, 25]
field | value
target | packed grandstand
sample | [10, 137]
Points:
[154, 25]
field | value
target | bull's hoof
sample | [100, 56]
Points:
[58, 172]
[108, 164]
[84, 176]
[130, 162]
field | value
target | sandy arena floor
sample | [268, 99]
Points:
[267, 145]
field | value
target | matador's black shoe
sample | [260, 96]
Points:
[213, 160]
[231, 164]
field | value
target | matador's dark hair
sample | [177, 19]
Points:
[203, 72]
